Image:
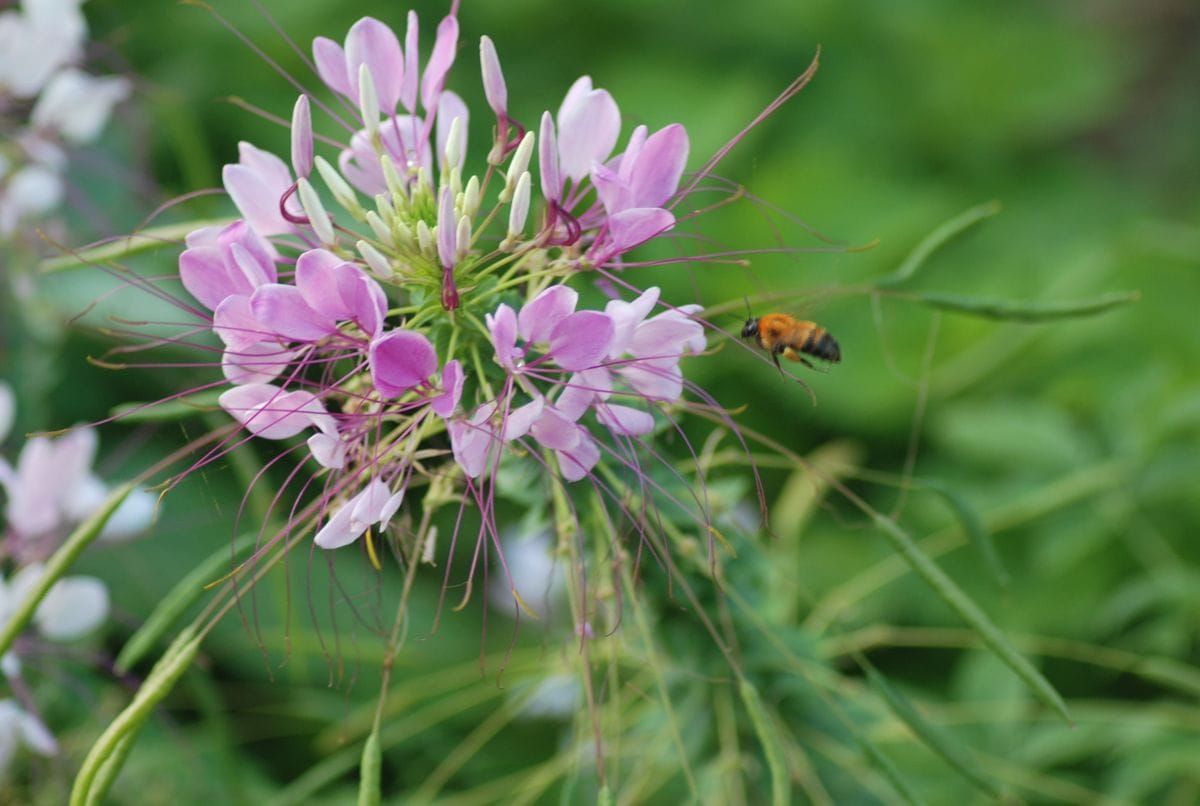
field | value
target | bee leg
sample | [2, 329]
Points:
[775, 358]
[806, 363]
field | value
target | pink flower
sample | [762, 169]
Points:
[219, 263]
[375, 505]
[258, 183]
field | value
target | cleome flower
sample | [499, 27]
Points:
[419, 316]
[47, 105]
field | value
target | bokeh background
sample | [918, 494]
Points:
[1074, 442]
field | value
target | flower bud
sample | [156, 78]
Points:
[368, 101]
[518, 166]
[302, 137]
[375, 259]
[380, 229]
[315, 211]
[343, 194]
[519, 211]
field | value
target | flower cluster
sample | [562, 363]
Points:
[46, 105]
[50, 489]
[426, 330]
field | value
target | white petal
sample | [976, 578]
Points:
[132, 517]
[74, 607]
[8, 408]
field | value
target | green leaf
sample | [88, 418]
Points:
[781, 780]
[153, 238]
[172, 606]
[934, 738]
[104, 760]
[1017, 311]
[969, 612]
[973, 527]
[168, 411]
[935, 240]
[368, 776]
[59, 564]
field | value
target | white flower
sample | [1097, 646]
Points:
[8, 403]
[36, 41]
[53, 487]
[19, 727]
[28, 193]
[77, 105]
[534, 572]
[73, 607]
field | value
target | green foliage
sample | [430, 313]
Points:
[1038, 362]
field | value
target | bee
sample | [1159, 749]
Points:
[780, 334]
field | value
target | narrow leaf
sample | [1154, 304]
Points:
[369, 793]
[58, 565]
[935, 240]
[885, 766]
[969, 612]
[973, 527]
[781, 779]
[170, 235]
[1017, 311]
[173, 605]
[178, 409]
[934, 738]
[104, 760]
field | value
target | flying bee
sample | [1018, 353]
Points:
[780, 334]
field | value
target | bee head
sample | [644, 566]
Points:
[750, 329]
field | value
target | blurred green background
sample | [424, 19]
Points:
[1075, 441]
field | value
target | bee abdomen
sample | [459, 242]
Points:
[820, 344]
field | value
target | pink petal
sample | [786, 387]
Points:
[542, 314]
[662, 381]
[281, 309]
[204, 276]
[630, 228]
[655, 176]
[331, 65]
[369, 504]
[364, 300]
[372, 43]
[235, 324]
[338, 531]
[444, 49]
[269, 412]
[452, 383]
[521, 419]
[472, 441]
[408, 87]
[401, 360]
[316, 277]
[552, 430]
[626, 316]
[260, 362]
[581, 390]
[578, 461]
[256, 184]
[665, 335]
[587, 131]
[503, 327]
[329, 450]
[581, 340]
[575, 96]
[245, 251]
[625, 420]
